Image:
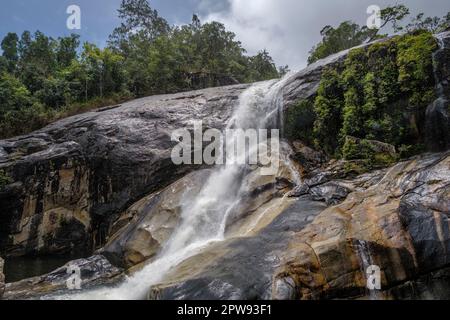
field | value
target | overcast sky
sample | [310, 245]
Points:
[286, 28]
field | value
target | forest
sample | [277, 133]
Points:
[43, 79]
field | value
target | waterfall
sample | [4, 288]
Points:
[437, 114]
[204, 216]
[364, 254]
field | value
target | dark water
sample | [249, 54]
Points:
[19, 268]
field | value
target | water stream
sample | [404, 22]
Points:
[204, 217]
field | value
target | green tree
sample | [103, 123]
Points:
[353, 78]
[139, 21]
[346, 35]
[9, 46]
[349, 34]
[391, 15]
[13, 94]
[105, 70]
[431, 24]
[262, 67]
[164, 66]
[37, 60]
[66, 50]
[18, 109]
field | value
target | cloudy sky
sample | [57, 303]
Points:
[286, 28]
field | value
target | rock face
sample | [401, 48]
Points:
[438, 113]
[105, 180]
[148, 224]
[154, 217]
[74, 178]
[95, 270]
[240, 268]
[2, 278]
[397, 219]
[400, 224]
[73, 181]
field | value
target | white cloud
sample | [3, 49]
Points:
[289, 28]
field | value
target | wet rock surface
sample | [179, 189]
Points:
[401, 224]
[73, 179]
[240, 268]
[438, 113]
[92, 271]
[105, 180]
[2, 278]
[149, 223]
[398, 221]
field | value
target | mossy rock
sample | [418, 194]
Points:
[381, 94]
[377, 154]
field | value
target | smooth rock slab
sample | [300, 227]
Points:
[94, 271]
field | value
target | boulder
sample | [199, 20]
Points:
[308, 158]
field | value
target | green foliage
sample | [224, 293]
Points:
[262, 67]
[43, 79]
[349, 34]
[406, 151]
[66, 50]
[381, 94]
[299, 121]
[346, 35]
[9, 46]
[139, 23]
[363, 149]
[328, 109]
[353, 79]
[105, 68]
[416, 67]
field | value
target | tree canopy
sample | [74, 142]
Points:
[349, 34]
[42, 78]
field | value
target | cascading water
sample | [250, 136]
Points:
[204, 217]
[437, 113]
[365, 257]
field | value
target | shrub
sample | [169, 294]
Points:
[381, 94]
